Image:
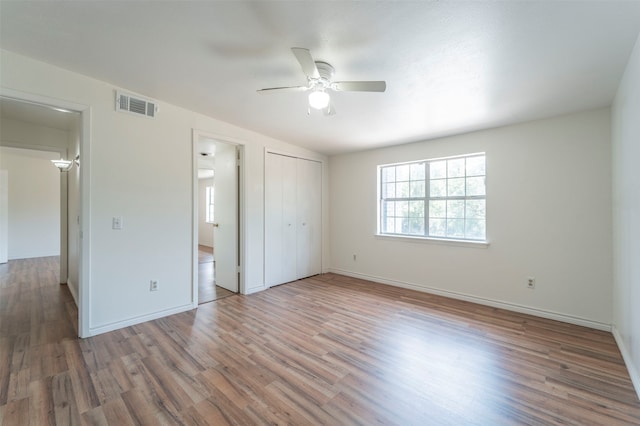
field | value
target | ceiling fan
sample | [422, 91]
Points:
[320, 82]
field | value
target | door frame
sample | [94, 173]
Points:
[84, 264]
[240, 145]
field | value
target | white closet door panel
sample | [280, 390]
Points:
[289, 214]
[309, 226]
[273, 231]
[280, 219]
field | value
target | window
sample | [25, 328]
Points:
[442, 198]
[209, 204]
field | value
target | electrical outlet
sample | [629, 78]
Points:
[354, 257]
[531, 282]
[153, 285]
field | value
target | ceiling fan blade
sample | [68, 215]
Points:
[359, 86]
[284, 89]
[306, 62]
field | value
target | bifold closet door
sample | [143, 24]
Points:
[280, 219]
[293, 218]
[309, 215]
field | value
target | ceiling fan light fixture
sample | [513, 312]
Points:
[319, 99]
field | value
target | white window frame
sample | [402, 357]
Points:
[427, 197]
[209, 204]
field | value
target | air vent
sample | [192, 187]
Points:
[135, 105]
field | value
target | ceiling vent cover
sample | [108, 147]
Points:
[134, 104]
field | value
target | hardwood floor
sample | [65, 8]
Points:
[205, 254]
[208, 291]
[325, 350]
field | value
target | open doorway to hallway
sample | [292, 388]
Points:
[218, 220]
[39, 206]
[38, 201]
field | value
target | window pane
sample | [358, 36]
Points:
[455, 228]
[416, 209]
[438, 208]
[475, 209]
[389, 225]
[438, 188]
[437, 227]
[417, 189]
[475, 166]
[389, 208]
[475, 229]
[389, 190]
[417, 171]
[209, 204]
[388, 174]
[402, 172]
[416, 226]
[475, 186]
[402, 208]
[455, 209]
[404, 227]
[455, 168]
[438, 170]
[455, 187]
[402, 189]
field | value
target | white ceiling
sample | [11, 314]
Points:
[450, 67]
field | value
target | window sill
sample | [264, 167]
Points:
[430, 240]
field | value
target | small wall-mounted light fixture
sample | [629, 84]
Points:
[66, 165]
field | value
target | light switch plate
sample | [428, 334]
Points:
[116, 222]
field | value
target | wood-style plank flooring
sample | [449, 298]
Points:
[326, 350]
[208, 291]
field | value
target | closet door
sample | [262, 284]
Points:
[280, 219]
[309, 215]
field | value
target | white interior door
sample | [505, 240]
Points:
[225, 231]
[309, 218]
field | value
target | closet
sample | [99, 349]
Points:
[293, 218]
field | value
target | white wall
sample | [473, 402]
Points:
[20, 134]
[4, 213]
[626, 216]
[34, 203]
[141, 169]
[205, 230]
[548, 216]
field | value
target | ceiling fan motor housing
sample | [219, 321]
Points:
[326, 72]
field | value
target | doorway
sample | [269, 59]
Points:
[217, 221]
[62, 128]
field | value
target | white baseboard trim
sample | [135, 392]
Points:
[628, 361]
[480, 300]
[95, 330]
[72, 290]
